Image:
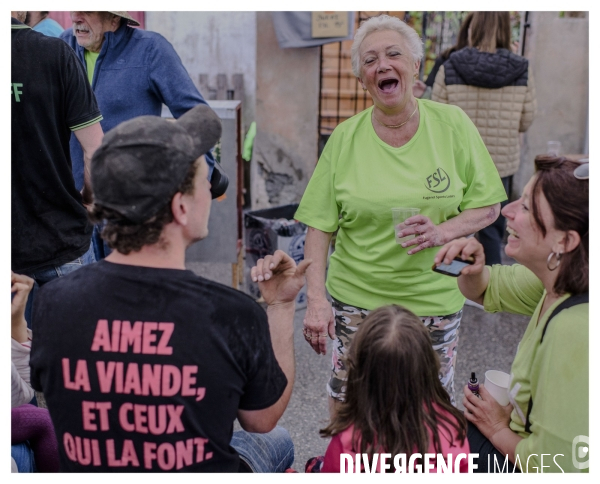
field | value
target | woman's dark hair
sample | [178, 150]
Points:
[393, 385]
[490, 31]
[125, 237]
[462, 39]
[568, 198]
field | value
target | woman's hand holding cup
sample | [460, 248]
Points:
[426, 233]
[485, 412]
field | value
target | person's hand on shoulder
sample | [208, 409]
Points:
[278, 277]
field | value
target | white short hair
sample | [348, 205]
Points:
[385, 22]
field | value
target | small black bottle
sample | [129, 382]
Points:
[474, 384]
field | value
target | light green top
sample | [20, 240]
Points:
[443, 169]
[90, 63]
[555, 372]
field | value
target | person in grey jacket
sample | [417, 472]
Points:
[495, 88]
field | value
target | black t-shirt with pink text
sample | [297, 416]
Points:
[145, 369]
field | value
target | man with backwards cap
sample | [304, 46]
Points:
[133, 72]
[145, 365]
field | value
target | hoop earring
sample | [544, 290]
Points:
[557, 255]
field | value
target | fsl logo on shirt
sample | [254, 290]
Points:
[438, 181]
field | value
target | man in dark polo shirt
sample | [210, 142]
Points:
[50, 99]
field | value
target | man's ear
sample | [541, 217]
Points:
[116, 22]
[179, 209]
[568, 242]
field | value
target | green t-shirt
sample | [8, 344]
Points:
[445, 168]
[555, 373]
[90, 63]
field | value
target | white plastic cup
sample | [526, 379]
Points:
[496, 382]
[399, 215]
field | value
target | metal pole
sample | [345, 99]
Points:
[424, 38]
[524, 26]
[320, 91]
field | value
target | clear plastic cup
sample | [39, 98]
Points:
[399, 215]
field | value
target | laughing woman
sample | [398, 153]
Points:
[548, 413]
[402, 152]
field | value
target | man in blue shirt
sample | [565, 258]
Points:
[133, 72]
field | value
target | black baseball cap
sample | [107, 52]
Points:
[142, 162]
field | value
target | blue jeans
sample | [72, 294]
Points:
[270, 452]
[43, 276]
[23, 456]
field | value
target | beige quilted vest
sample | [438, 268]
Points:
[499, 114]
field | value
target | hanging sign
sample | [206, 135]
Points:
[329, 24]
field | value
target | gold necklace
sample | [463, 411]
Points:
[396, 126]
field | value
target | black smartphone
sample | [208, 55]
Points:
[453, 269]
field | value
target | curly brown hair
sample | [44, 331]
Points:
[394, 396]
[120, 234]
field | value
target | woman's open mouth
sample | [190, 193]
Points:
[512, 232]
[387, 85]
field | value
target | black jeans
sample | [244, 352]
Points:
[490, 459]
[491, 236]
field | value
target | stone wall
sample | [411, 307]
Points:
[287, 106]
[281, 91]
[212, 44]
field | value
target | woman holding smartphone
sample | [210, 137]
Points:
[549, 236]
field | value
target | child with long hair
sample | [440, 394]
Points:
[395, 402]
